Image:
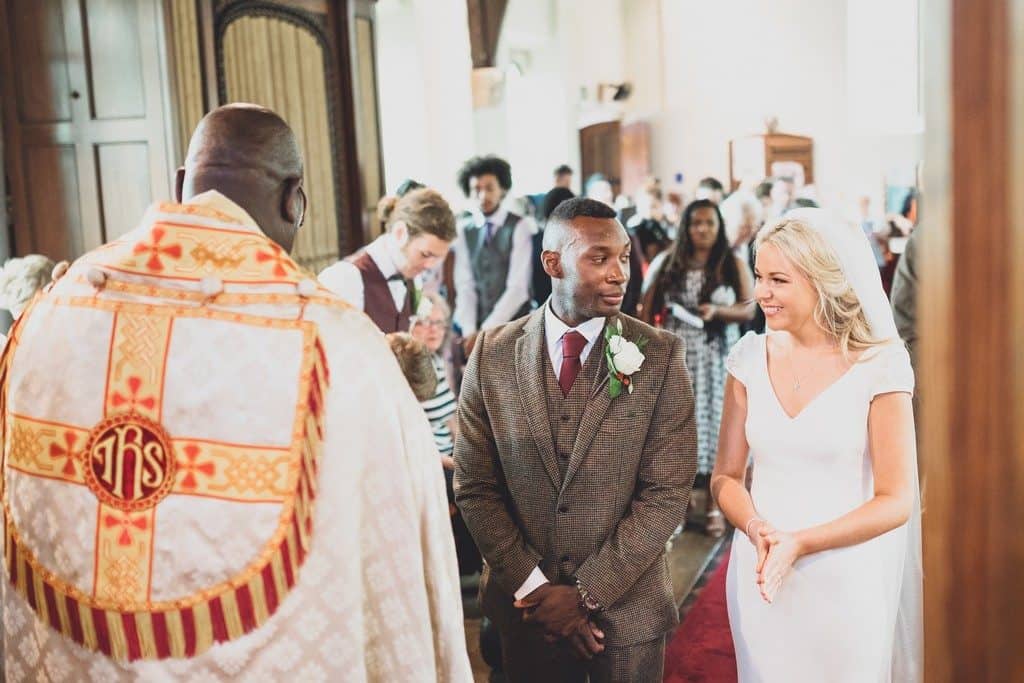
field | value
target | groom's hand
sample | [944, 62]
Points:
[585, 641]
[555, 608]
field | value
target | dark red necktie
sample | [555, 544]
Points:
[573, 344]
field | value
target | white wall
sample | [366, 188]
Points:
[424, 69]
[732, 63]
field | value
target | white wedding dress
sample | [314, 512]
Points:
[835, 617]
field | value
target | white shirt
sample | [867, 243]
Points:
[345, 280]
[517, 283]
[554, 330]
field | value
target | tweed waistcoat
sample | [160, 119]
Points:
[378, 303]
[489, 260]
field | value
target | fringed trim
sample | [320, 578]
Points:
[184, 631]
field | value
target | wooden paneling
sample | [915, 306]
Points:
[51, 174]
[600, 151]
[37, 33]
[115, 59]
[971, 323]
[280, 65]
[89, 79]
[125, 188]
[485, 18]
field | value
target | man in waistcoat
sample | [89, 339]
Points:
[383, 279]
[492, 252]
[574, 465]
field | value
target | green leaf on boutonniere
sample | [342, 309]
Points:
[614, 386]
[417, 297]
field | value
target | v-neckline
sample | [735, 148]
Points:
[775, 395]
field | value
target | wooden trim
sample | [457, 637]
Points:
[350, 217]
[970, 321]
[13, 163]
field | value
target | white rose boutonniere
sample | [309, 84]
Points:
[624, 358]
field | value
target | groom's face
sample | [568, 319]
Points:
[596, 266]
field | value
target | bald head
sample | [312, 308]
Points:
[249, 154]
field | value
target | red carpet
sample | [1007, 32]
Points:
[701, 649]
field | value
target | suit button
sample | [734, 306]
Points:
[563, 508]
[563, 456]
[565, 558]
[565, 418]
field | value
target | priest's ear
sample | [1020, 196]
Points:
[179, 184]
[552, 262]
[294, 202]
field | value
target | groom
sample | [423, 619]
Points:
[570, 493]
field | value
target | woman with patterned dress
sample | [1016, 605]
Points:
[701, 291]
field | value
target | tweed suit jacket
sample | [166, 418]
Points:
[625, 490]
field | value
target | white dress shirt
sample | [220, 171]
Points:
[554, 330]
[345, 280]
[517, 283]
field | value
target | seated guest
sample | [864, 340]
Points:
[381, 279]
[492, 252]
[432, 328]
[20, 279]
[416, 364]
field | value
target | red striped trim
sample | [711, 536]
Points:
[12, 558]
[30, 587]
[245, 609]
[188, 625]
[131, 635]
[160, 635]
[51, 606]
[300, 553]
[99, 622]
[269, 588]
[286, 562]
[74, 619]
[220, 626]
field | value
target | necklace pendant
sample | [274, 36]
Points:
[796, 386]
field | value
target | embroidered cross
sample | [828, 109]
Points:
[156, 251]
[190, 467]
[118, 399]
[277, 257]
[67, 451]
[128, 525]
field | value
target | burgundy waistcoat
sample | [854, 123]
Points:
[378, 303]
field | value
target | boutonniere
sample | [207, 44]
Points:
[421, 305]
[624, 358]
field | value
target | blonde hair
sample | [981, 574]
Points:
[838, 311]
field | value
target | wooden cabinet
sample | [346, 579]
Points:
[85, 138]
[757, 156]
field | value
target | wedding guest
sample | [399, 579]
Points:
[700, 291]
[381, 279]
[492, 251]
[648, 223]
[563, 177]
[416, 363]
[433, 330]
[710, 188]
[540, 283]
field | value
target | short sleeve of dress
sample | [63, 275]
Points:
[742, 360]
[892, 371]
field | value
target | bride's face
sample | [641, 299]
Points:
[785, 295]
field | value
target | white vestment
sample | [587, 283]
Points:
[214, 470]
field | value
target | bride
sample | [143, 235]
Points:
[824, 579]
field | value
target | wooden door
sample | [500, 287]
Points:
[600, 152]
[86, 142]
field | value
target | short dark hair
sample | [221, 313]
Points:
[564, 169]
[581, 207]
[711, 183]
[554, 199]
[486, 165]
[764, 190]
[407, 186]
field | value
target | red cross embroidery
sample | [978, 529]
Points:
[189, 466]
[128, 526]
[278, 257]
[117, 399]
[66, 451]
[155, 250]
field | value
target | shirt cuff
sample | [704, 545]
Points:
[535, 580]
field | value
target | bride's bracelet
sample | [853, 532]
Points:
[746, 529]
